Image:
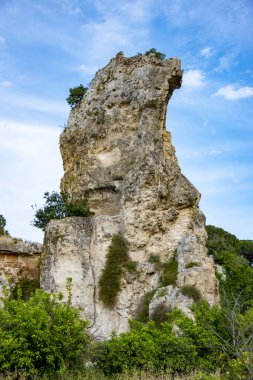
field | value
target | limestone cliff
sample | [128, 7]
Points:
[116, 151]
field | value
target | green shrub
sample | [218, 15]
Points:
[75, 95]
[157, 53]
[116, 259]
[130, 266]
[154, 259]
[142, 313]
[147, 347]
[192, 264]
[58, 206]
[42, 336]
[24, 288]
[169, 272]
[159, 315]
[191, 292]
[152, 104]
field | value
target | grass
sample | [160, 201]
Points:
[192, 264]
[191, 292]
[154, 259]
[169, 272]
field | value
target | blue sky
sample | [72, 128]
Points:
[48, 46]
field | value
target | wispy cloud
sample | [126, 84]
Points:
[229, 92]
[207, 52]
[226, 62]
[194, 79]
[87, 70]
[69, 7]
[22, 100]
[2, 41]
[5, 83]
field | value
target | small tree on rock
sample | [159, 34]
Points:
[158, 54]
[75, 95]
[58, 206]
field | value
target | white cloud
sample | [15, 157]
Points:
[226, 62]
[22, 100]
[30, 165]
[6, 83]
[230, 93]
[207, 52]
[87, 70]
[193, 79]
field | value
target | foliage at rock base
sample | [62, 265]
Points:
[42, 336]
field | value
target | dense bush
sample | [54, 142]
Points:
[159, 348]
[116, 260]
[75, 95]
[42, 336]
[58, 206]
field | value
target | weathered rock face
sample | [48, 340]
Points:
[116, 151]
[18, 259]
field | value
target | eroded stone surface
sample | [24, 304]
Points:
[18, 259]
[117, 152]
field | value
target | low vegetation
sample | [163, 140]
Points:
[191, 264]
[142, 314]
[169, 271]
[191, 292]
[24, 288]
[41, 337]
[58, 206]
[116, 260]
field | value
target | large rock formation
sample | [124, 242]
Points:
[116, 151]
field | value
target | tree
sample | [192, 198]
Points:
[75, 95]
[227, 251]
[3, 231]
[58, 206]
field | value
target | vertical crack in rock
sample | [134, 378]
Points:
[117, 152]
